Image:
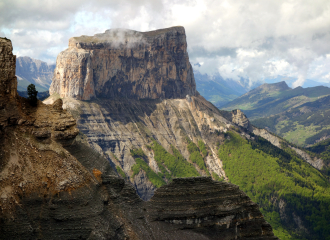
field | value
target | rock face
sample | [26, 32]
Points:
[239, 118]
[125, 64]
[8, 81]
[114, 127]
[35, 71]
[199, 204]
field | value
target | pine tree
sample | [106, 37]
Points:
[32, 93]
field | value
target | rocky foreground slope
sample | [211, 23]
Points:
[54, 187]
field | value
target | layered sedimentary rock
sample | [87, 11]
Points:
[201, 204]
[239, 118]
[126, 64]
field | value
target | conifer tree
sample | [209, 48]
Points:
[32, 94]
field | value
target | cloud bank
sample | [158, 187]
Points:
[250, 39]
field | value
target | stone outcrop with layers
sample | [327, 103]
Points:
[126, 64]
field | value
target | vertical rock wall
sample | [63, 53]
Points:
[8, 81]
[125, 64]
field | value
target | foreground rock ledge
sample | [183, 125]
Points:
[217, 210]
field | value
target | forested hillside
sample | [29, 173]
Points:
[293, 196]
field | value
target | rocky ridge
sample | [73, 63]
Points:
[122, 63]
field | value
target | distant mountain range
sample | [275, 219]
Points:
[290, 80]
[29, 70]
[218, 90]
[300, 115]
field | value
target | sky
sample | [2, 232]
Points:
[251, 39]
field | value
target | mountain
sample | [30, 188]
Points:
[303, 125]
[155, 131]
[290, 80]
[53, 186]
[29, 70]
[217, 90]
[158, 67]
[270, 99]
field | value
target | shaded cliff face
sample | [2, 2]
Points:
[8, 81]
[125, 64]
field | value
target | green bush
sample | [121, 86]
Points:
[216, 177]
[120, 172]
[137, 152]
[192, 147]
[176, 163]
[202, 148]
[154, 178]
[195, 155]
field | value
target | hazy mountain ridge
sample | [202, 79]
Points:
[217, 90]
[37, 72]
[270, 99]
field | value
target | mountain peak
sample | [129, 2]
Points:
[126, 64]
[271, 87]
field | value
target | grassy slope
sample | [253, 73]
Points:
[173, 164]
[266, 173]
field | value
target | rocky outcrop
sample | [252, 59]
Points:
[276, 141]
[239, 118]
[126, 64]
[199, 204]
[8, 81]
[32, 159]
[315, 162]
[35, 71]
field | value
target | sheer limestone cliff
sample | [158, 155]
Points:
[126, 64]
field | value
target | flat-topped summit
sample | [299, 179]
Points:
[280, 86]
[126, 64]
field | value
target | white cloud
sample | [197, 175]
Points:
[250, 39]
